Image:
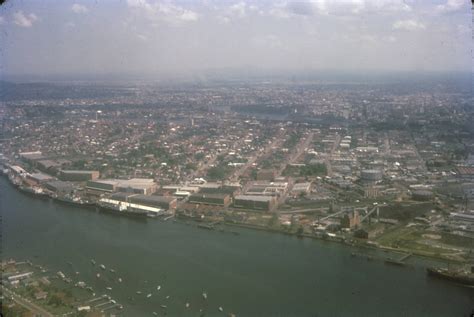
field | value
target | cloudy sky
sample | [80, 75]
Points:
[164, 37]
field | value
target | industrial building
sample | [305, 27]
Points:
[267, 188]
[350, 220]
[31, 157]
[301, 188]
[37, 178]
[218, 199]
[164, 202]
[78, 176]
[264, 203]
[59, 187]
[52, 166]
[143, 186]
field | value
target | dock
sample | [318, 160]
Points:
[97, 299]
[404, 257]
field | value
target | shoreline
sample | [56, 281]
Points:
[342, 241]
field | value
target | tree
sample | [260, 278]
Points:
[55, 300]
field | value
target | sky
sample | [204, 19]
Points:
[161, 38]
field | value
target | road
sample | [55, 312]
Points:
[276, 143]
[37, 310]
[303, 144]
[331, 153]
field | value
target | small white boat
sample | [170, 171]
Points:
[112, 270]
[77, 273]
[102, 266]
[221, 309]
[204, 295]
[120, 280]
[98, 275]
[168, 297]
[109, 288]
[93, 262]
[155, 313]
[149, 295]
[187, 305]
[138, 292]
[163, 306]
[159, 287]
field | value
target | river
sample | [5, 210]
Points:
[252, 274]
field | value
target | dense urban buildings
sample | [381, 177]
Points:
[379, 163]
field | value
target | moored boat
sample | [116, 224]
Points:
[456, 276]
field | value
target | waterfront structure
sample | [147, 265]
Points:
[135, 185]
[75, 175]
[262, 203]
[350, 220]
[59, 187]
[37, 178]
[218, 199]
[163, 202]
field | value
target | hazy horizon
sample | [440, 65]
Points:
[190, 39]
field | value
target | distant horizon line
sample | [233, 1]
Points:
[236, 74]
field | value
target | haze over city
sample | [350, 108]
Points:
[189, 38]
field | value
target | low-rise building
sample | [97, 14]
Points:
[264, 203]
[78, 176]
[219, 199]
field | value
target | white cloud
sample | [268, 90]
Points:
[341, 7]
[26, 21]
[79, 8]
[238, 9]
[408, 25]
[2, 20]
[163, 12]
[451, 6]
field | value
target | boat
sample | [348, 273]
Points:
[167, 297]
[102, 266]
[77, 273]
[221, 309]
[98, 275]
[155, 313]
[187, 305]
[139, 292]
[120, 280]
[93, 262]
[204, 295]
[112, 270]
[149, 295]
[109, 288]
[163, 306]
[456, 276]
[159, 287]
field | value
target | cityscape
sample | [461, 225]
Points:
[140, 197]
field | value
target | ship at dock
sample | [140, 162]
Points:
[463, 277]
[127, 208]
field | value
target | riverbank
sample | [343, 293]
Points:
[325, 237]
